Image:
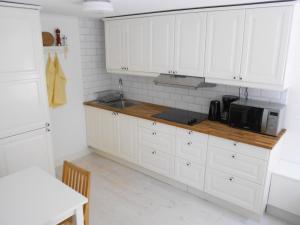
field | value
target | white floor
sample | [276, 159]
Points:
[122, 196]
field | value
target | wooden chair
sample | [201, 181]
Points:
[79, 180]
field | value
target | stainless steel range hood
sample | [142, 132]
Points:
[181, 81]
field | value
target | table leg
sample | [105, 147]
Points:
[78, 217]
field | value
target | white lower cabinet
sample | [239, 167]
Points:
[92, 118]
[189, 173]
[109, 132]
[128, 134]
[157, 161]
[235, 190]
[228, 170]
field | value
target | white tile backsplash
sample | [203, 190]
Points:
[95, 78]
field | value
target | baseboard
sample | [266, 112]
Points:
[283, 215]
[201, 194]
[59, 162]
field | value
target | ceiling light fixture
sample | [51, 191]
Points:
[98, 5]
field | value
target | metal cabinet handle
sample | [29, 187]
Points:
[190, 132]
[234, 156]
[234, 77]
[47, 124]
[154, 123]
[241, 78]
[231, 179]
[154, 153]
[188, 164]
[48, 130]
[235, 144]
[189, 143]
[154, 133]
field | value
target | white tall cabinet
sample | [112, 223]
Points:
[25, 128]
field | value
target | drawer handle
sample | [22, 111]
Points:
[231, 179]
[154, 133]
[234, 156]
[189, 143]
[190, 132]
[235, 144]
[154, 123]
[188, 164]
[154, 153]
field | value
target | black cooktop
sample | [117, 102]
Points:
[182, 116]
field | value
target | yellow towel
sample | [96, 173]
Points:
[56, 83]
[50, 78]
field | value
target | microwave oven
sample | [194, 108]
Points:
[257, 116]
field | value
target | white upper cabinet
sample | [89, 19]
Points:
[127, 45]
[115, 53]
[243, 46]
[161, 43]
[190, 44]
[266, 44]
[137, 47]
[224, 42]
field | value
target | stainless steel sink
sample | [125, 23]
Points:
[122, 104]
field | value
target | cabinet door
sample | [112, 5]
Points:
[20, 44]
[23, 106]
[161, 42]
[224, 40]
[93, 124]
[266, 44]
[115, 44]
[189, 173]
[137, 44]
[26, 150]
[109, 132]
[128, 137]
[157, 161]
[190, 32]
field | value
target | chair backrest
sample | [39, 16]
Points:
[79, 180]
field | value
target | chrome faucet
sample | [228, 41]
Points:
[121, 89]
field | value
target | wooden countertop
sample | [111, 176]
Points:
[147, 110]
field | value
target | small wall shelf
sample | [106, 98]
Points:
[56, 49]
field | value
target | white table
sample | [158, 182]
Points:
[33, 197]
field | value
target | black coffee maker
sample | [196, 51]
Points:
[227, 100]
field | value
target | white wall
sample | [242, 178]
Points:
[68, 121]
[92, 42]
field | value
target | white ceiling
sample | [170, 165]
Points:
[124, 7]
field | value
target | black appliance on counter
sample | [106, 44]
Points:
[214, 110]
[182, 116]
[257, 116]
[227, 100]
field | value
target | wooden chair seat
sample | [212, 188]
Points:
[79, 180]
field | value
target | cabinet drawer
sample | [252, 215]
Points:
[237, 164]
[245, 149]
[189, 173]
[232, 189]
[157, 161]
[157, 140]
[157, 126]
[191, 148]
[192, 136]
